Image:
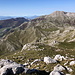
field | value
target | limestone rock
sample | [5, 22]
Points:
[59, 57]
[69, 69]
[59, 68]
[56, 73]
[72, 63]
[48, 60]
[36, 60]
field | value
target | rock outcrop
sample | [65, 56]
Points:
[48, 60]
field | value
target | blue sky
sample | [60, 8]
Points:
[34, 7]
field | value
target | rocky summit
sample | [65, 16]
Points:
[41, 46]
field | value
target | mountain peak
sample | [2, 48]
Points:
[56, 12]
[62, 13]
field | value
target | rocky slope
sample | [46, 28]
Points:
[50, 29]
[44, 36]
[59, 65]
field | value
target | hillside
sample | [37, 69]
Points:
[47, 35]
[8, 24]
[47, 29]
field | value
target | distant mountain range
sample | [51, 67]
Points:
[31, 17]
[5, 17]
[9, 17]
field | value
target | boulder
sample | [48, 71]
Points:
[5, 62]
[6, 71]
[72, 63]
[48, 60]
[72, 59]
[12, 69]
[59, 58]
[56, 73]
[59, 68]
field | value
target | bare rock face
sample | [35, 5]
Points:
[15, 69]
[58, 13]
[62, 13]
[8, 67]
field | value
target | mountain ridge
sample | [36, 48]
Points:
[62, 13]
[9, 24]
[41, 28]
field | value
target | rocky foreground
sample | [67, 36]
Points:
[9, 67]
